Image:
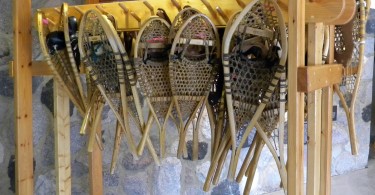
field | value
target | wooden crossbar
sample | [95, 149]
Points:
[129, 14]
[311, 78]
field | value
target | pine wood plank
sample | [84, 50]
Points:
[40, 68]
[327, 11]
[23, 97]
[315, 53]
[326, 142]
[311, 78]
[296, 59]
[62, 140]
[95, 166]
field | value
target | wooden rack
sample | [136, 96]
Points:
[129, 15]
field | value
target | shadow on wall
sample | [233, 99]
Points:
[370, 29]
[12, 172]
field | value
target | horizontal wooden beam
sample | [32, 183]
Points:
[128, 13]
[38, 68]
[41, 68]
[315, 77]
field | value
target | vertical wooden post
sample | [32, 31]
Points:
[315, 47]
[62, 140]
[95, 167]
[295, 99]
[23, 97]
[326, 145]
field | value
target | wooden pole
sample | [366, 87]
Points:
[315, 46]
[326, 145]
[62, 140]
[23, 97]
[95, 166]
[326, 142]
[295, 99]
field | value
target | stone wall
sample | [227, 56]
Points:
[370, 28]
[174, 176]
